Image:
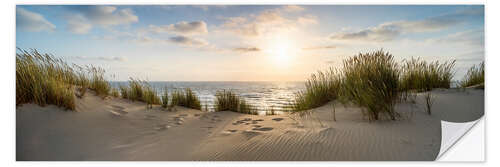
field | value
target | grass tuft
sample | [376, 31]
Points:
[186, 98]
[43, 79]
[321, 88]
[138, 90]
[474, 76]
[229, 101]
[419, 75]
[370, 80]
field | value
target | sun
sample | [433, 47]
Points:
[282, 50]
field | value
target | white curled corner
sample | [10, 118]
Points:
[451, 132]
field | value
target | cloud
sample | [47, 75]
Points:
[471, 37]
[77, 24]
[246, 49]
[320, 47]
[330, 62]
[308, 19]
[31, 21]
[293, 8]
[207, 7]
[184, 40]
[183, 28]
[391, 30]
[107, 15]
[102, 58]
[266, 22]
[382, 32]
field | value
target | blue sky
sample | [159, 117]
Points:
[247, 43]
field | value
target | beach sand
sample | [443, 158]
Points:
[118, 129]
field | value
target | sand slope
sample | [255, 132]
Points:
[117, 129]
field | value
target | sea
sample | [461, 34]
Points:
[264, 95]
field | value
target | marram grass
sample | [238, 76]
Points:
[474, 76]
[229, 101]
[138, 90]
[43, 79]
[186, 98]
[320, 88]
[376, 82]
[419, 75]
[370, 80]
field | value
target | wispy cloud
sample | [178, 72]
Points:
[320, 47]
[107, 15]
[265, 22]
[391, 30]
[31, 21]
[293, 8]
[471, 37]
[184, 40]
[207, 7]
[182, 28]
[81, 19]
[102, 58]
[246, 49]
[77, 24]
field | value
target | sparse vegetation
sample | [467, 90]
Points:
[229, 101]
[474, 77]
[321, 88]
[138, 90]
[418, 75]
[429, 100]
[164, 99]
[186, 98]
[114, 92]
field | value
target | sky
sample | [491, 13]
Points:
[247, 42]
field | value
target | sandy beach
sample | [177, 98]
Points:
[118, 129]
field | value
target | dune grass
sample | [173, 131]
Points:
[186, 98]
[474, 76]
[164, 98]
[44, 79]
[321, 88]
[375, 82]
[419, 75]
[138, 90]
[229, 101]
[370, 80]
[114, 92]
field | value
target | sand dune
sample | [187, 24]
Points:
[117, 129]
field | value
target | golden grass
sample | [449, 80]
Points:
[229, 101]
[474, 76]
[43, 79]
[419, 75]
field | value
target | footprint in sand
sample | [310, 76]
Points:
[250, 134]
[263, 129]
[278, 119]
[257, 126]
[149, 117]
[118, 110]
[183, 115]
[238, 122]
[232, 130]
[161, 127]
